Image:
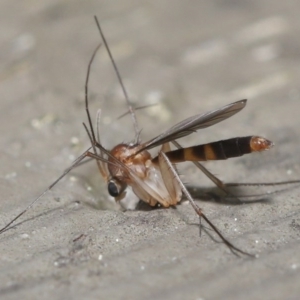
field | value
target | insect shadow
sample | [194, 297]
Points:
[132, 174]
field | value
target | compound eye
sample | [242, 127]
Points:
[113, 189]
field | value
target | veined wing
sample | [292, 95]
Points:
[192, 124]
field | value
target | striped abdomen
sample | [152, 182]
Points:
[220, 150]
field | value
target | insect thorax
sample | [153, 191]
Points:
[126, 155]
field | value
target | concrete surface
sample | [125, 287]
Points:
[191, 56]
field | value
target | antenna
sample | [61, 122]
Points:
[130, 107]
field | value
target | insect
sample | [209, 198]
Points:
[155, 180]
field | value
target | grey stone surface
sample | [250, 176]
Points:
[191, 56]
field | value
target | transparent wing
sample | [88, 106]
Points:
[194, 123]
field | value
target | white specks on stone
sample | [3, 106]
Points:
[74, 141]
[24, 236]
[265, 53]
[294, 266]
[71, 157]
[10, 175]
[262, 29]
[73, 179]
[205, 53]
[24, 43]
[27, 164]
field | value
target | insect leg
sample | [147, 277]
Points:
[211, 176]
[198, 210]
[264, 184]
[171, 184]
[74, 164]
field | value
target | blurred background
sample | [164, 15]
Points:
[188, 57]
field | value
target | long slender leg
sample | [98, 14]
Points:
[211, 176]
[171, 185]
[264, 184]
[74, 164]
[233, 249]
